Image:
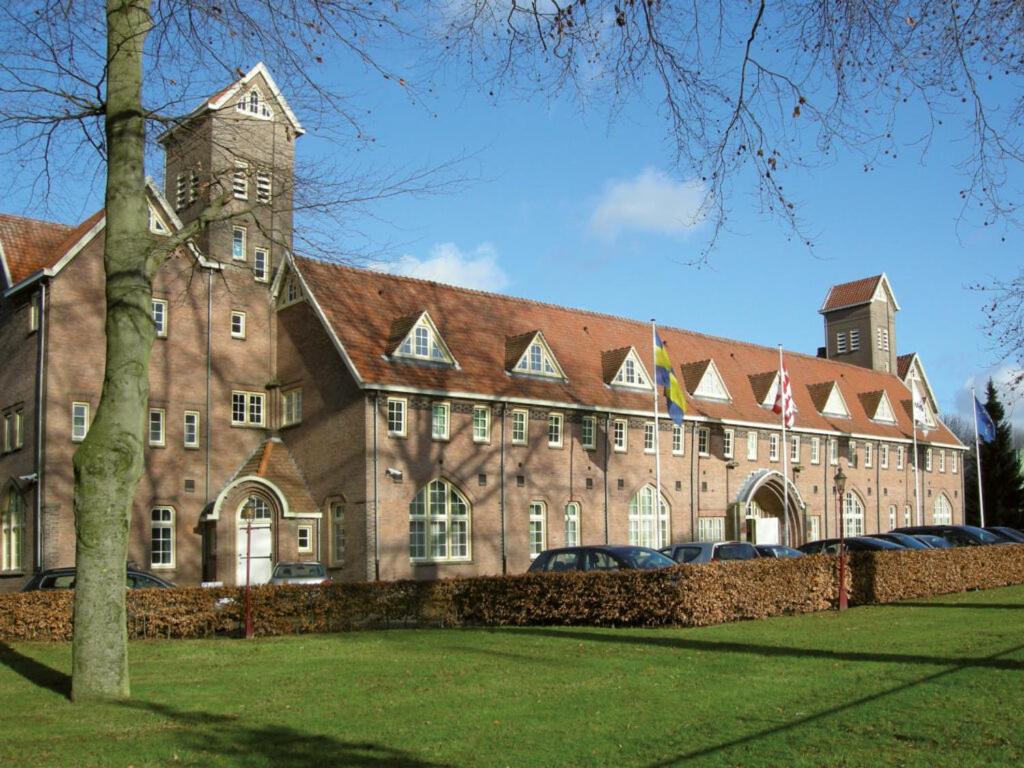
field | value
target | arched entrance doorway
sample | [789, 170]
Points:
[758, 514]
[255, 546]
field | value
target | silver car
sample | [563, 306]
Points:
[707, 551]
[310, 572]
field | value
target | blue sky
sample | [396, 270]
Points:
[577, 209]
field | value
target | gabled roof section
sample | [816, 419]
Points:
[623, 368]
[828, 399]
[535, 357]
[28, 245]
[272, 465]
[910, 369]
[764, 386]
[858, 292]
[416, 338]
[704, 380]
[877, 406]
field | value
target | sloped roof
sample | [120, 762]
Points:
[28, 245]
[819, 393]
[693, 373]
[870, 401]
[856, 292]
[761, 384]
[611, 362]
[903, 364]
[273, 461]
[401, 328]
[360, 305]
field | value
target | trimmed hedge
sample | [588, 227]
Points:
[683, 596]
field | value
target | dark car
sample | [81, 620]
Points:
[64, 578]
[1009, 534]
[935, 542]
[707, 551]
[957, 535]
[777, 550]
[905, 539]
[598, 558]
[853, 544]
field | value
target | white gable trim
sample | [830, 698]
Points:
[773, 391]
[639, 368]
[706, 386]
[260, 69]
[538, 338]
[883, 411]
[883, 291]
[438, 339]
[835, 399]
[922, 377]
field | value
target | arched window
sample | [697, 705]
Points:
[853, 515]
[943, 511]
[253, 103]
[260, 508]
[641, 519]
[13, 532]
[572, 524]
[439, 523]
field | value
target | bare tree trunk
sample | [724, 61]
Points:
[109, 463]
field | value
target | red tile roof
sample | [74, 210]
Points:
[30, 245]
[273, 461]
[361, 306]
[903, 365]
[850, 294]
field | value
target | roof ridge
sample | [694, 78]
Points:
[34, 220]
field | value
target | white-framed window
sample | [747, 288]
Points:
[953, 462]
[19, 429]
[253, 103]
[237, 325]
[620, 435]
[882, 338]
[161, 537]
[572, 524]
[538, 528]
[853, 515]
[396, 416]
[649, 437]
[833, 451]
[8, 435]
[304, 538]
[588, 432]
[907, 515]
[794, 449]
[423, 342]
[728, 441]
[520, 426]
[942, 513]
[815, 450]
[157, 438]
[240, 181]
[337, 533]
[160, 317]
[869, 455]
[813, 528]
[854, 339]
[12, 532]
[900, 452]
[481, 424]
[642, 521]
[942, 460]
[538, 360]
[678, 443]
[631, 373]
[841, 343]
[439, 518]
[883, 456]
[752, 445]
[851, 453]
[247, 409]
[892, 516]
[554, 430]
[703, 441]
[261, 264]
[263, 186]
[773, 447]
[238, 235]
[439, 418]
[79, 421]
[710, 529]
[191, 429]
[292, 291]
[927, 459]
[291, 407]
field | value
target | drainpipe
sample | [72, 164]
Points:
[607, 437]
[827, 488]
[209, 370]
[40, 400]
[878, 485]
[376, 505]
[694, 465]
[501, 494]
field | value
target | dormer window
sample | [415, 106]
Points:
[156, 224]
[835, 405]
[424, 342]
[536, 359]
[711, 386]
[631, 372]
[252, 103]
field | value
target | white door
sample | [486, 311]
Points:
[765, 530]
[258, 554]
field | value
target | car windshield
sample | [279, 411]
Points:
[986, 537]
[735, 552]
[298, 571]
[644, 558]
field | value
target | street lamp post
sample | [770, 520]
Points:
[840, 486]
[247, 514]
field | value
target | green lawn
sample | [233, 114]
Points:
[931, 683]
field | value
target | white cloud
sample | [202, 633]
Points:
[1006, 380]
[650, 202]
[447, 263]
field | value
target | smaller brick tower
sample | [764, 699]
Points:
[860, 323]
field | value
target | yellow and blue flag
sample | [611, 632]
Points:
[663, 375]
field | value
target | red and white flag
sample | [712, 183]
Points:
[784, 400]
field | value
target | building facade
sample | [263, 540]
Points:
[396, 428]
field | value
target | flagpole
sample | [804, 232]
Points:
[977, 456]
[785, 463]
[657, 442]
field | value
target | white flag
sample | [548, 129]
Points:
[920, 410]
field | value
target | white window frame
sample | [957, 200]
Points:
[249, 399]
[953, 462]
[19, 428]
[649, 445]
[538, 529]
[308, 531]
[396, 417]
[8, 435]
[678, 440]
[33, 313]
[869, 455]
[432, 523]
[12, 532]
[853, 515]
[815, 450]
[892, 516]
[337, 549]
[159, 308]
[703, 441]
[728, 443]
[620, 435]
[752, 445]
[710, 529]
[588, 433]
[261, 274]
[927, 459]
[942, 502]
[481, 424]
[291, 407]
[942, 459]
[883, 456]
[833, 451]
[167, 525]
[520, 426]
[851, 453]
[794, 449]
[195, 418]
[642, 517]
[79, 410]
[813, 528]
[572, 524]
[158, 439]
[900, 454]
[773, 447]
[440, 420]
[235, 232]
[237, 329]
[555, 422]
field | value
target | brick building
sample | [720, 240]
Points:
[398, 428]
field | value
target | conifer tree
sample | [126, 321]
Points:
[1002, 484]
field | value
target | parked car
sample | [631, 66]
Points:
[957, 535]
[1010, 534]
[777, 550]
[935, 542]
[852, 543]
[598, 558]
[307, 572]
[904, 539]
[64, 578]
[706, 551]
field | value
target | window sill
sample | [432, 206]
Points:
[420, 561]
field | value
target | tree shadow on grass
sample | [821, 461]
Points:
[964, 606]
[34, 671]
[251, 744]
